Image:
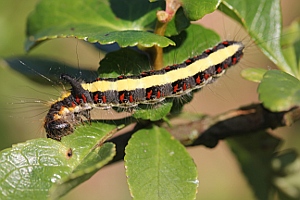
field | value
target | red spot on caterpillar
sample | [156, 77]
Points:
[234, 60]
[121, 97]
[219, 69]
[104, 99]
[120, 77]
[184, 86]
[143, 74]
[73, 104]
[130, 98]
[198, 80]
[225, 43]
[206, 76]
[149, 94]
[98, 79]
[168, 68]
[96, 97]
[175, 88]
[188, 61]
[225, 66]
[83, 98]
[77, 99]
[207, 51]
[158, 94]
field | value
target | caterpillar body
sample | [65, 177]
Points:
[146, 88]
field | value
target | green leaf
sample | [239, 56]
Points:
[262, 20]
[190, 42]
[196, 9]
[95, 21]
[253, 74]
[178, 23]
[28, 170]
[158, 167]
[287, 182]
[291, 45]
[266, 170]
[153, 112]
[128, 62]
[255, 152]
[279, 91]
[123, 62]
[85, 170]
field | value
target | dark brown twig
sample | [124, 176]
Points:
[209, 130]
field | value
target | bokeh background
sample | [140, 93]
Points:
[21, 115]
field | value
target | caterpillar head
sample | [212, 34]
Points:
[56, 129]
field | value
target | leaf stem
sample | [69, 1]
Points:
[163, 18]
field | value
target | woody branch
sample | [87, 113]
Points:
[209, 130]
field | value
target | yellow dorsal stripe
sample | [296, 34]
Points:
[161, 79]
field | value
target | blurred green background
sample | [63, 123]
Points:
[21, 117]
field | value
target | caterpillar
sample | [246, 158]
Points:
[148, 87]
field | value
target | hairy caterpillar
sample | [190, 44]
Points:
[146, 88]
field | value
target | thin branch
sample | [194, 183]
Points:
[163, 18]
[209, 130]
[245, 120]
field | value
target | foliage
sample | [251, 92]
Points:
[157, 165]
